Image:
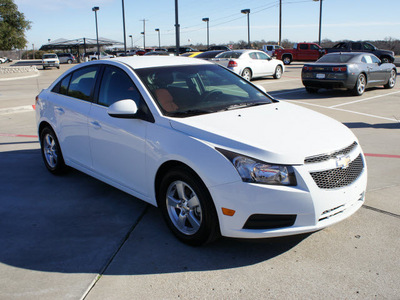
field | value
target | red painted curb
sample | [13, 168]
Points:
[382, 155]
[18, 135]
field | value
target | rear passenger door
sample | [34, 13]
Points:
[72, 102]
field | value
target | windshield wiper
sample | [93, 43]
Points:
[243, 105]
[189, 113]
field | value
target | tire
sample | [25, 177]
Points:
[360, 86]
[278, 72]
[392, 80]
[69, 61]
[311, 90]
[44, 68]
[246, 74]
[286, 59]
[51, 152]
[385, 60]
[187, 207]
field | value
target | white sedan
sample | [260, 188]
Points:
[213, 151]
[251, 63]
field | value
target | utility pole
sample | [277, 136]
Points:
[280, 23]
[144, 33]
[176, 29]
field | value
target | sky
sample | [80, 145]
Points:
[341, 19]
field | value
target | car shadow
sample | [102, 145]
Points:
[76, 224]
[353, 125]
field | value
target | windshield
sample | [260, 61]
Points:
[183, 91]
[336, 58]
[49, 56]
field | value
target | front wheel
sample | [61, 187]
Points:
[187, 207]
[51, 152]
[246, 74]
[361, 83]
[278, 72]
[287, 60]
[69, 61]
[392, 80]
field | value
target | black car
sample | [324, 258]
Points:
[353, 71]
[209, 54]
[384, 55]
[182, 50]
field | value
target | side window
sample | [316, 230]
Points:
[367, 59]
[303, 46]
[375, 60]
[356, 46]
[253, 55]
[367, 46]
[262, 56]
[82, 83]
[314, 47]
[62, 86]
[116, 85]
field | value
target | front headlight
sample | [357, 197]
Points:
[255, 171]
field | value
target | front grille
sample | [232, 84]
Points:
[328, 156]
[339, 177]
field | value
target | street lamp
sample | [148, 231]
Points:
[144, 41]
[159, 41]
[320, 20]
[131, 41]
[177, 26]
[95, 9]
[208, 31]
[247, 12]
[123, 24]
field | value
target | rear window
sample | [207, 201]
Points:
[229, 54]
[336, 58]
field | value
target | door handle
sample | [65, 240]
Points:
[96, 125]
[59, 110]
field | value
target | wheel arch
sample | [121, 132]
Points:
[42, 126]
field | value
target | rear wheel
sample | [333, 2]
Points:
[69, 61]
[361, 83]
[287, 60]
[278, 72]
[187, 207]
[246, 74]
[392, 80]
[51, 152]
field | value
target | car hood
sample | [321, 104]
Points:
[280, 133]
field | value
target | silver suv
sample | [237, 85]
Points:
[66, 58]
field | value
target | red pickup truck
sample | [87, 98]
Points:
[300, 51]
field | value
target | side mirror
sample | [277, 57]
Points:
[125, 109]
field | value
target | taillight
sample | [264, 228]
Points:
[339, 69]
[232, 64]
[307, 68]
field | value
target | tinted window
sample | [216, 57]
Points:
[62, 86]
[356, 46]
[336, 58]
[116, 85]
[229, 54]
[263, 56]
[253, 55]
[303, 46]
[314, 47]
[82, 83]
[183, 91]
[368, 47]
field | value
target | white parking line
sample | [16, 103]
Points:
[344, 110]
[362, 100]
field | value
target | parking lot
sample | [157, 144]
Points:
[73, 237]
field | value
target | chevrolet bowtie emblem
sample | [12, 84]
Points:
[343, 161]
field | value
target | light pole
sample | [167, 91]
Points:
[95, 9]
[144, 41]
[144, 33]
[159, 40]
[123, 24]
[208, 31]
[176, 29]
[131, 41]
[280, 23]
[320, 20]
[247, 12]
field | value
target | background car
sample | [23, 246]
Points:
[250, 63]
[163, 53]
[270, 49]
[191, 54]
[182, 50]
[183, 134]
[50, 60]
[208, 55]
[66, 58]
[353, 71]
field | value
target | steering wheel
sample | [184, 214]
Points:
[212, 94]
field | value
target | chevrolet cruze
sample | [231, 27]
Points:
[214, 152]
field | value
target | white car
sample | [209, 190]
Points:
[250, 63]
[213, 151]
[103, 55]
[50, 60]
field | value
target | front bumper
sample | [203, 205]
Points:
[314, 208]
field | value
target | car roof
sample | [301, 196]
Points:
[140, 62]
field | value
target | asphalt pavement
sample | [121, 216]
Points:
[74, 237]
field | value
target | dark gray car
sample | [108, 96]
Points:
[353, 71]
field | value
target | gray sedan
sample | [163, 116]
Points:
[353, 71]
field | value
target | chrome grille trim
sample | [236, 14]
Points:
[339, 177]
[328, 156]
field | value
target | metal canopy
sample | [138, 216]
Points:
[76, 43]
